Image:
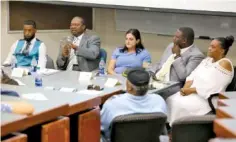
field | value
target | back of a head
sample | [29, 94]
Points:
[139, 78]
[188, 33]
[226, 43]
[30, 22]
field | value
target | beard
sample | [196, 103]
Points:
[28, 39]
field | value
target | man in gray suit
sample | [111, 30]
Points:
[82, 53]
[179, 59]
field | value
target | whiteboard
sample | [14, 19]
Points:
[200, 5]
[165, 23]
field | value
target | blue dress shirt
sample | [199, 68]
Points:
[128, 104]
[129, 60]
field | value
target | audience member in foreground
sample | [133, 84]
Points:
[82, 52]
[179, 59]
[136, 100]
[17, 107]
[203, 81]
[133, 54]
[24, 50]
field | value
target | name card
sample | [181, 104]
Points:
[20, 83]
[111, 82]
[85, 76]
[65, 89]
[17, 72]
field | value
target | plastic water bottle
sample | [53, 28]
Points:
[34, 65]
[14, 62]
[38, 78]
[102, 66]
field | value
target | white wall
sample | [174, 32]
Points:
[203, 5]
[104, 26]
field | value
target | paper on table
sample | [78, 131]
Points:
[90, 92]
[49, 88]
[48, 71]
[34, 96]
[64, 89]
[111, 82]
[17, 72]
[19, 82]
[85, 76]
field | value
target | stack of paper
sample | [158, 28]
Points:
[34, 96]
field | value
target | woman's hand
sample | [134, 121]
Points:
[187, 91]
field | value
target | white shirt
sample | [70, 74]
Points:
[73, 58]
[42, 53]
[167, 77]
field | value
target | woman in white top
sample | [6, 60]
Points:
[212, 75]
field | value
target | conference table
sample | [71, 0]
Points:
[228, 95]
[226, 112]
[70, 79]
[44, 112]
[225, 124]
[222, 140]
[225, 128]
[227, 102]
[82, 105]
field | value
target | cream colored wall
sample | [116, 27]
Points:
[104, 26]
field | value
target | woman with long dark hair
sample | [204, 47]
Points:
[133, 54]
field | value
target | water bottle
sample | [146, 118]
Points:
[102, 66]
[34, 65]
[14, 63]
[38, 79]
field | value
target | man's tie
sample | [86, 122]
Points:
[75, 40]
[26, 50]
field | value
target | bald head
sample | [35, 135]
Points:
[77, 26]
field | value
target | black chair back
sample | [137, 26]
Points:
[50, 63]
[138, 127]
[232, 85]
[193, 129]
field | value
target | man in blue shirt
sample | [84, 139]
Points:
[136, 100]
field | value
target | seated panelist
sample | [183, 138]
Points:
[24, 50]
[212, 75]
[132, 55]
[82, 52]
[179, 59]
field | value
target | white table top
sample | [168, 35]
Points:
[229, 110]
[230, 95]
